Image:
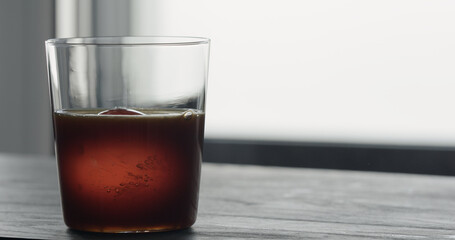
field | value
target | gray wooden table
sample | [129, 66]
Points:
[252, 202]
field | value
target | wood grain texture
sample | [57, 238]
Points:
[251, 202]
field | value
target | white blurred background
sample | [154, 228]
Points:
[367, 72]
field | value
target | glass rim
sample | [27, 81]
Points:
[129, 41]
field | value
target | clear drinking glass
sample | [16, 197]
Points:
[128, 118]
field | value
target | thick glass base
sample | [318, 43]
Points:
[163, 228]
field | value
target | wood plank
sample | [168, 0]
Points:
[240, 202]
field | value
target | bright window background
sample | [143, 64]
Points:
[339, 71]
[380, 72]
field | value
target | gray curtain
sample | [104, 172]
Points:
[25, 122]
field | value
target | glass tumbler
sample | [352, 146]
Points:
[128, 116]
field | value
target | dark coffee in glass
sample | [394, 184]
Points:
[129, 170]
